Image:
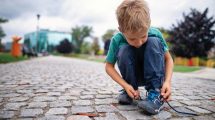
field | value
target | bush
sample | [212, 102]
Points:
[65, 47]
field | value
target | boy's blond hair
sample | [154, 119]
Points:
[133, 16]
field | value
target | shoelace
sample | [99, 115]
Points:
[174, 108]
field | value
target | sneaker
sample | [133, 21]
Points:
[152, 104]
[124, 99]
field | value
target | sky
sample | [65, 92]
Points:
[63, 15]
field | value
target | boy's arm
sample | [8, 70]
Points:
[166, 88]
[111, 71]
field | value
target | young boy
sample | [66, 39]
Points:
[142, 56]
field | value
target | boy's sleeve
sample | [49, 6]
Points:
[111, 56]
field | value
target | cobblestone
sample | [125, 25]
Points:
[57, 111]
[59, 88]
[82, 109]
[31, 112]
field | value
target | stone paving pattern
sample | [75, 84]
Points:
[58, 88]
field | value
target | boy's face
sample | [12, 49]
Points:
[136, 39]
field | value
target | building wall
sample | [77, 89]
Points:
[46, 39]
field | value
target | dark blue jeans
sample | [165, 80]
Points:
[153, 64]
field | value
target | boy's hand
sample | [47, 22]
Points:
[130, 91]
[137, 95]
[166, 91]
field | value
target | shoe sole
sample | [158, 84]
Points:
[148, 109]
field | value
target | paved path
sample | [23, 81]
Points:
[204, 73]
[57, 88]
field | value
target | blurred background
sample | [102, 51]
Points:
[83, 29]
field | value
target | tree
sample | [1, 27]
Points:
[95, 46]
[78, 35]
[2, 34]
[109, 34]
[86, 47]
[193, 36]
[65, 47]
[106, 39]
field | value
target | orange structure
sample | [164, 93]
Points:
[16, 47]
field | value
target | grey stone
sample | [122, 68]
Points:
[89, 93]
[6, 114]
[104, 92]
[208, 107]
[31, 112]
[175, 103]
[25, 119]
[103, 96]
[82, 109]
[53, 93]
[127, 107]
[57, 111]
[198, 110]
[182, 109]
[78, 117]
[42, 91]
[194, 97]
[66, 97]
[37, 105]
[82, 102]
[41, 99]
[189, 102]
[18, 99]
[11, 95]
[60, 103]
[213, 115]
[14, 106]
[109, 116]
[52, 117]
[134, 115]
[179, 98]
[182, 118]
[105, 101]
[24, 91]
[86, 97]
[106, 108]
[204, 118]
[163, 115]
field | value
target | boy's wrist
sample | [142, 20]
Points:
[168, 81]
[125, 85]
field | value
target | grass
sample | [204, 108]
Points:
[7, 58]
[184, 69]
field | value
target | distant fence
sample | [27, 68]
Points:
[195, 61]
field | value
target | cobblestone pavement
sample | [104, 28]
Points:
[58, 88]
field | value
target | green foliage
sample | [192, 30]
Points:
[78, 35]
[193, 36]
[86, 48]
[164, 32]
[95, 46]
[2, 34]
[65, 47]
[109, 34]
